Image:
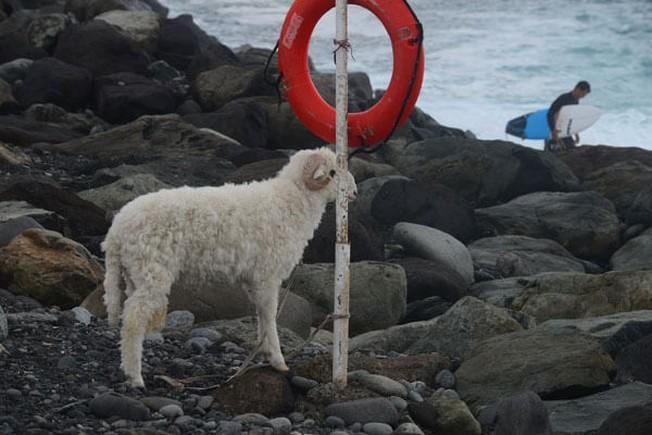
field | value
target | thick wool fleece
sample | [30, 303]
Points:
[253, 233]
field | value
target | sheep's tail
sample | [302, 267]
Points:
[112, 283]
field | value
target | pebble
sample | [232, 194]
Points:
[408, 429]
[82, 315]
[205, 402]
[180, 319]
[374, 428]
[296, 417]
[413, 396]
[66, 362]
[13, 394]
[380, 384]
[377, 409]
[445, 379]
[281, 425]
[171, 411]
[155, 403]
[211, 334]
[399, 403]
[230, 427]
[334, 421]
[197, 345]
[185, 420]
[154, 337]
[252, 418]
[302, 383]
[109, 405]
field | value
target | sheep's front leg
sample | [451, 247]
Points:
[266, 301]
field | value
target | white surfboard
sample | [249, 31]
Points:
[575, 118]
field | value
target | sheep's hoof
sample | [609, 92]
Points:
[280, 366]
[137, 383]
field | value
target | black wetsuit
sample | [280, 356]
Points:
[562, 100]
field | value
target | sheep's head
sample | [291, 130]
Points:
[320, 173]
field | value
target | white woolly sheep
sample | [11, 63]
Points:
[252, 233]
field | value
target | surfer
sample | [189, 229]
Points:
[555, 143]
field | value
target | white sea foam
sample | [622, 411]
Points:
[487, 61]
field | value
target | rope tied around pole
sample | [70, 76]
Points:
[342, 45]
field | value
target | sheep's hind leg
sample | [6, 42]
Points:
[147, 302]
[266, 301]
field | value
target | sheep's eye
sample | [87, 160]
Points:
[332, 173]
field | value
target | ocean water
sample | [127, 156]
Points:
[487, 61]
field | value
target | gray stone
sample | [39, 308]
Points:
[112, 197]
[584, 416]
[13, 227]
[543, 361]
[455, 332]
[82, 315]
[614, 331]
[4, 325]
[522, 413]
[378, 293]
[379, 384]
[281, 425]
[109, 405]
[408, 429]
[156, 402]
[379, 410]
[377, 428]
[585, 223]
[636, 254]
[433, 244]
[510, 255]
[230, 427]
[180, 319]
[445, 379]
[212, 335]
[171, 411]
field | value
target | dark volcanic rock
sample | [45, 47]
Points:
[428, 278]
[53, 81]
[115, 405]
[432, 205]
[100, 48]
[633, 361]
[123, 97]
[181, 41]
[522, 413]
[633, 420]
[243, 120]
[83, 218]
[20, 131]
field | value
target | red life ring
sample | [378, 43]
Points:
[392, 110]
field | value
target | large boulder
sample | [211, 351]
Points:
[141, 26]
[377, 292]
[614, 331]
[83, 219]
[551, 363]
[243, 120]
[183, 44]
[50, 80]
[428, 278]
[176, 152]
[585, 223]
[17, 130]
[618, 173]
[112, 197]
[483, 172]
[577, 295]
[100, 48]
[433, 205]
[122, 97]
[636, 254]
[50, 268]
[465, 324]
[432, 244]
[586, 415]
[85, 10]
[505, 256]
[216, 87]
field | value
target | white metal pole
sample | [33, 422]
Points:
[342, 247]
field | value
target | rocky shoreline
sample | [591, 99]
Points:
[495, 289]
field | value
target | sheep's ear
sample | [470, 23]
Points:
[315, 175]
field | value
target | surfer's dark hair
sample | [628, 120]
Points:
[583, 86]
